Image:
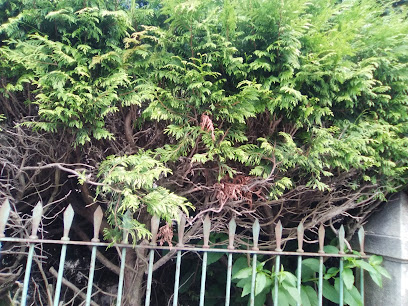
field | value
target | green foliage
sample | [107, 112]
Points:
[313, 65]
[130, 184]
[288, 292]
[77, 81]
[293, 109]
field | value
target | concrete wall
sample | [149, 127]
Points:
[387, 235]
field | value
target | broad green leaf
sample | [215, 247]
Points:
[330, 249]
[260, 265]
[293, 292]
[262, 281]
[242, 282]
[366, 266]
[310, 267]
[354, 294]
[331, 272]
[383, 271]
[247, 289]
[312, 264]
[288, 278]
[213, 257]
[375, 260]
[352, 299]
[282, 298]
[259, 299]
[376, 277]
[239, 264]
[244, 273]
[311, 294]
[304, 297]
[348, 278]
[329, 292]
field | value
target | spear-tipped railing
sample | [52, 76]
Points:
[68, 218]
[98, 216]
[154, 229]
[205, 249]
[36, 219]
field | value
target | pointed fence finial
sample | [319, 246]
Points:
[256, 228]
[181, 227]
[278, 236]
[300, 235]
[98, 216]
[232, 226]
[321, 238]
[4, 215]
[154, 227]
[68, 218]
[36, 219]
[361, 238]
[206, 231]
[341, 239]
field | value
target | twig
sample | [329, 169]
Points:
[47, 286]
[71, 286]
[62, 167]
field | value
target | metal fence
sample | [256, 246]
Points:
[205, 249]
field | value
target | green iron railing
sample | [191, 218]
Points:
[180, 248]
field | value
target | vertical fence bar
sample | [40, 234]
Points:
[300, 234]
[125, 240]
[36, 219]
[255, 236]
[122, 273]
[361, 238]
[181, 226]
[253, 280]
[68, 217]
[98, 215]
[232, 227]
[278, 237]
[321, 251]
[341, 267]
[154, 229]
[4, 214]
[177, 279]
[206, 232]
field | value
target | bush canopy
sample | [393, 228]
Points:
[272, 109]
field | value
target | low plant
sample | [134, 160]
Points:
[288, 293]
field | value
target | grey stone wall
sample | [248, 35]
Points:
[387, 235]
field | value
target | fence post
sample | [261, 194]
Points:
[321, 251]
[361, 239]
[98, 215]
[180, 244]
[278, 236]
[206, 232]
[68, 217]
[341, 266]
[125, 240]
[255, 236]
[155, 222]
[232, 227]
[36, 219]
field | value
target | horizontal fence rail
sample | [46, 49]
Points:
[181, 248]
